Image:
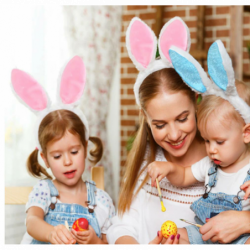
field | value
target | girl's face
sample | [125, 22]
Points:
[171, 117]
[66, 158]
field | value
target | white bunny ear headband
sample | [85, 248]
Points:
[141, 44]
[70, 89]
[220, 69]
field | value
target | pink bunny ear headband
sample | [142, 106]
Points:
[70, 89]
[220, 69]
[141, 44]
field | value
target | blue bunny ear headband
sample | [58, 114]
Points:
[222, 82]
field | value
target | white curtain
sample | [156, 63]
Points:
[93, 32]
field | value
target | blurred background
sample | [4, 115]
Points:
[40, 39]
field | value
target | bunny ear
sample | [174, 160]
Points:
[189, 69]
[174, 32]
[220, 66]
[141, 43]
[72, 81]
[29, 91]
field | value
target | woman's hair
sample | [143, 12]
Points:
[53, 128]
[211, 104]
[166, 79]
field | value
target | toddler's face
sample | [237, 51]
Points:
[66, 158]
[224, 142]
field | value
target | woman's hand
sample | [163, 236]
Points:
[226, 226]
[160, 239]
[86, 237]
[61, 235]
[158, 169]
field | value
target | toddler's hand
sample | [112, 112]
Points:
[85, 237]
[246, 188]
[159, 170]
[61, 235]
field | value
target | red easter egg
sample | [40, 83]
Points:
[80, 224]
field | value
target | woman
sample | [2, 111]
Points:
[168, 132]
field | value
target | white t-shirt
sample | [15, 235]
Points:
[40, 197]
[228, 183]
[145, 217]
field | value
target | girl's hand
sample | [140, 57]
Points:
[226, 226]
[246, 188]
[158, 169]
[85, 237]
[160, 239]
[61, 235]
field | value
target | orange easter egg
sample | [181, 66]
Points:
[168, 228]
[80, 224]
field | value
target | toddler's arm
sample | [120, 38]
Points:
[42, 231]
[246, 188]
[177, 175]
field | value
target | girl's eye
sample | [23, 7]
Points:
[57, 156]
[220, 142]
[183, 120]
[206, 141]
[74, 152]
[159, 126]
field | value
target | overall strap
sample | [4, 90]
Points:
[212, 173]
[53, 193]
[91, 189]
[247, 177]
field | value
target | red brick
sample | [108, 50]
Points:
[122, 112]
[209, 33]
[122, 133]
[222, 33]
[122, 70]
[246, 32]
[122, 49]
[137, 7]
[222, 10]
[123, 39]
[128, 102]
[127, 17]
[193, 34]
[191, 24]
[133, 112]
[125, 60]
[132, 70]
[130, 91]
[208, 11]
[127, 122]
[173, 13]
[246, 67]
[207, 45]
[246, 19]
[193, 12]
[216, 22]
[127, 80]
[123, 143]
[246, 55]
[147, 16]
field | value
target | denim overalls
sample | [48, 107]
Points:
[60, 212]
[211, 204]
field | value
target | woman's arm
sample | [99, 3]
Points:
[177, 175]
[226, 226]
[42, 231]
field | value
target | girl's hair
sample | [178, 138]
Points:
[166, 79]
[52, 128]
[211, 104]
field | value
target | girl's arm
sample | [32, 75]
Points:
[126, 240]
[42, 231]
[177, 175]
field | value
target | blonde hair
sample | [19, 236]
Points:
[165, 79]
[52, 128]
[212, 104]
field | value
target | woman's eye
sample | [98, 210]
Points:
[159, 126]
[183, 120]
[220, 142]
[57, 156]
[74, 152]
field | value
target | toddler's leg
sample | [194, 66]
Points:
[183, 236]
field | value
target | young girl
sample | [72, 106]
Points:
[62, 137]
[224, 123]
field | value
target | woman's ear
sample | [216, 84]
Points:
[44, 159]
[246, 133]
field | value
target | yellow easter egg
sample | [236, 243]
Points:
[168, 228]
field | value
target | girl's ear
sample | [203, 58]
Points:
[44, 159]
[246, 133]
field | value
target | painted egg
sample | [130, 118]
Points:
[168, 228]
[80, 224]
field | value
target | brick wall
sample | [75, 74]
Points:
[217, 26]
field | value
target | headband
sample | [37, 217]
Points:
[220, 69]
[69, 91]
[141, 44]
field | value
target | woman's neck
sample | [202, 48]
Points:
[196, 152]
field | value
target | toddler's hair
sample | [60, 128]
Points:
[211, 104]
[52, 128]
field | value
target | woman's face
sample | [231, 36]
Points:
[171, 117]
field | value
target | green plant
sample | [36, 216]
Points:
[248, 48]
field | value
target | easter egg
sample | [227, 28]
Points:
[80, 224]
[168, 228]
